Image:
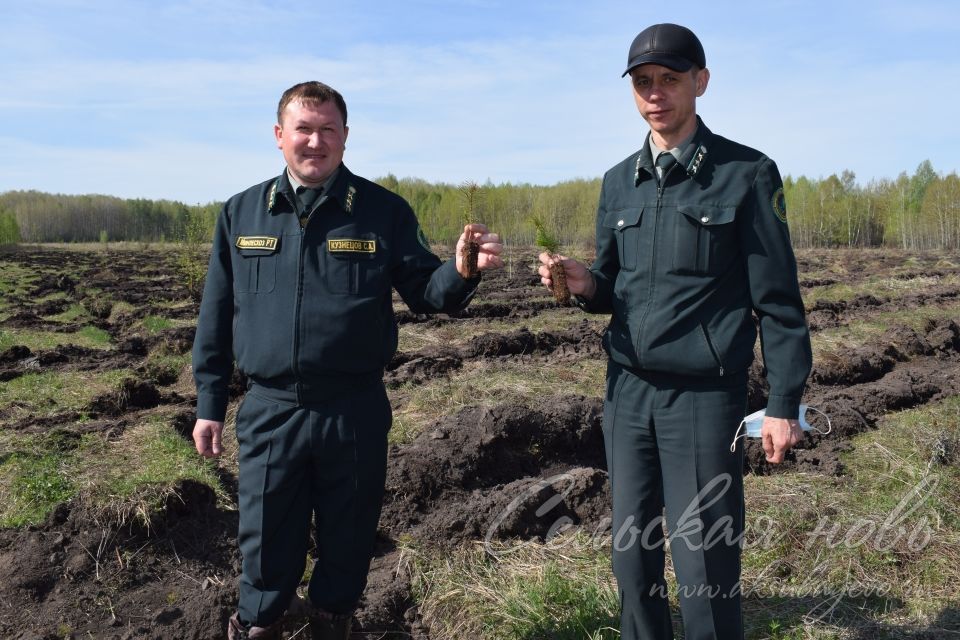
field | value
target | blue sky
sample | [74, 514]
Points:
[177, 99]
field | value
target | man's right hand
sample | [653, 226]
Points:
[580, 281]
[206, 437]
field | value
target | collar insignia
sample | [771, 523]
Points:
[694, 167]
[272, 198]
[348, 204]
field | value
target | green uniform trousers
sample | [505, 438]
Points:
[667, 441]
[299, 459]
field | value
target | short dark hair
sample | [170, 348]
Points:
[311, 93]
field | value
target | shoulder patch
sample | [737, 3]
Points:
[422, 238]
[779, 204]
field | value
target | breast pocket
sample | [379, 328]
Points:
[705, 239]
[354, 263]
[625, 224]
[255, 263]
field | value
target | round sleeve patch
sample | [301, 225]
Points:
[779, 204]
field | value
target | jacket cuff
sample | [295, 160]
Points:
[601, 301]
[211, 407]
[457, 285]
[783, 407]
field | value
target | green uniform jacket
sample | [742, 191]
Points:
[309, 308]
[681, 268]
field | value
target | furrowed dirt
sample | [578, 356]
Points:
[512, 471]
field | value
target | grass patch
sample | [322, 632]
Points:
[119, 308]
[155, 324]
[15, 280]
[414, 336]
[95, 335]
[875, 553]
[134, 475]
[35, 476]
[73, 313]
[552, 321]
[492, 382]
[830, 341]
[90, 337]
[118, 480]
[37, 395]
[50, 297]
[879, 286]
[165, 367]
[878, 549]
[533, 591]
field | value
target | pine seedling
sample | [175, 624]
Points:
[470, 252]
[551, 245]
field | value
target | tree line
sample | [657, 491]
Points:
[917, 211]
[45, 217]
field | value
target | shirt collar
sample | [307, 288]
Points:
[677, 151]
[339, 185]
[295, 184]
[689, 154]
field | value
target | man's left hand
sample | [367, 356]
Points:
[778, 435]
[490, 248]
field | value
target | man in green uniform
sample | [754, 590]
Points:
[299, 295]
[692, 241]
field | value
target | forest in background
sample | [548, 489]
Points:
[913, 211]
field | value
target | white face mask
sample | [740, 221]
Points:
[754, 422]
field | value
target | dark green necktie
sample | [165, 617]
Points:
[664, 162]
[308, 197]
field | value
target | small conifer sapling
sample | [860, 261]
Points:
[559, 277]
[470, 251]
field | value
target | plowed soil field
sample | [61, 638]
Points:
[464, 466]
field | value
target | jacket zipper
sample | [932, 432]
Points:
[713, 349]
[653, 266]
[295, 366]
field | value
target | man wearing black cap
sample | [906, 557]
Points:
[692, 242]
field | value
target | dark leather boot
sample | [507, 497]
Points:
[236, 630]
[330, 627]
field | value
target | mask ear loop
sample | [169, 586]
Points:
[737, 435]
[829, 425]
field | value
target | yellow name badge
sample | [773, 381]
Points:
[353, 246]
[264, 243]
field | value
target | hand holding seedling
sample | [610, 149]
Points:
[556, 272]
[778, 436]
[579, 281]
[476, 242]
[477, 249]
[206, 437]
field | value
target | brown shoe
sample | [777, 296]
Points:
[331, 627]
[236, 630]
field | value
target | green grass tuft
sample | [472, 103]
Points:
[98, 337]
[33, 484]
[562, 591]
[155, 324]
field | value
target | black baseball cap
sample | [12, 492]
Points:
[666, 44]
